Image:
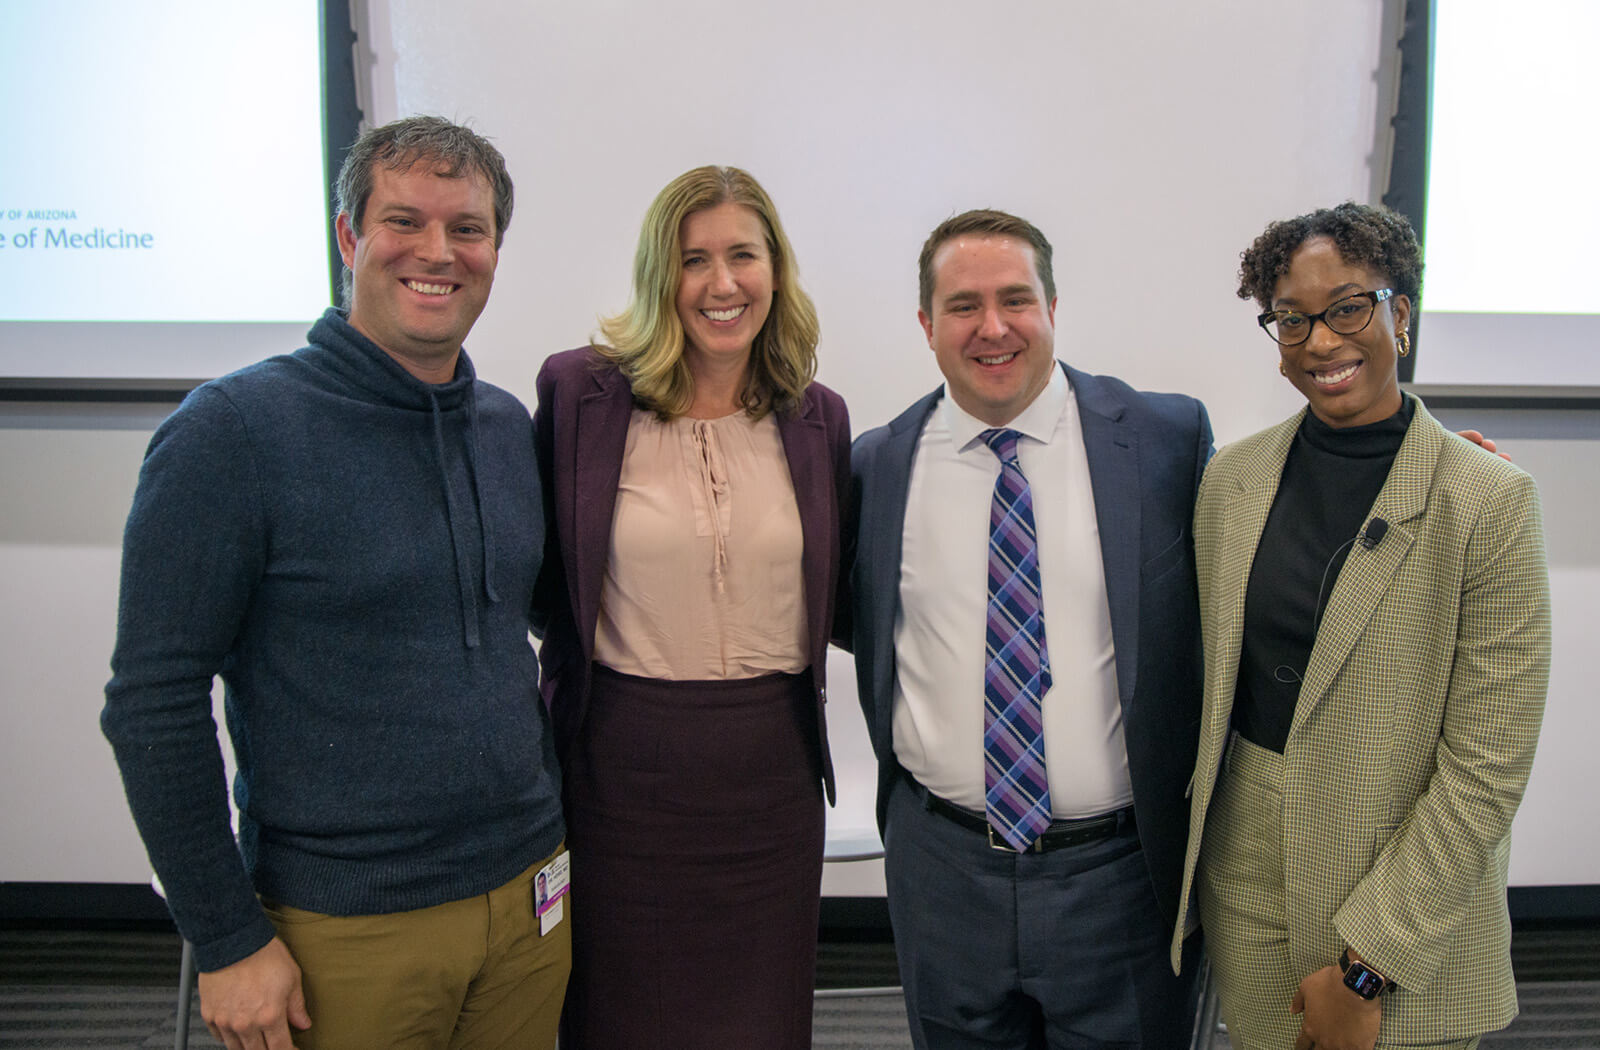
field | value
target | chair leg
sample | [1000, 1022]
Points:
[180, 1041]
[1205, 1020]
[1209, 1020]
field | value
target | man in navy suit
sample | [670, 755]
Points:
[1063, 944]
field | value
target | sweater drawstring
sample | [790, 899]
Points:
[485, 530]
[469, 607]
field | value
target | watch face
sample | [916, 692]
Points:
[1363, 981]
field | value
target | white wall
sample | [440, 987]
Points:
[1151, 143]
[67, 476]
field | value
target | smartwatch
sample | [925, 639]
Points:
[1363, 979]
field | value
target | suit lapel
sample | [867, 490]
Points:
[1111, 445]
[1364, 580]
[805, 446]
[601, 437]
[880, 541]
[1244, 516]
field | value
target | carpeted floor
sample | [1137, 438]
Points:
[62, 989]
[87, 989]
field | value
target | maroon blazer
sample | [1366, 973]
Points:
[580, 432]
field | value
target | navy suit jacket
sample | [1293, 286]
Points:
[580, 433]
[1146, 455]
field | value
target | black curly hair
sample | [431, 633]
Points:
[1367, 235]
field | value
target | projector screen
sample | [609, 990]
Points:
[1511, 293]
[164, 208]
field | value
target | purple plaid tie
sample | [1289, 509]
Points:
[1017, 670]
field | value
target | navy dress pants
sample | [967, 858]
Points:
[1059, 950]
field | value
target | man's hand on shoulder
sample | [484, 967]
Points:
[1336, 1018]
[251, 1004]
[1487, 444]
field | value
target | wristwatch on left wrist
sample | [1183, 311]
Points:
[1363, 979]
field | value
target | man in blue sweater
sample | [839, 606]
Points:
[349, 536]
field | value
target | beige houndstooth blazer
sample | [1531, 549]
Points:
[1415, 727]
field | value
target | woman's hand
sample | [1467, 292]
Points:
[1336, 1018]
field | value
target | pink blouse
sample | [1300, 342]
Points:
[703, 575]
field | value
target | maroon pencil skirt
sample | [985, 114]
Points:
[694, 817]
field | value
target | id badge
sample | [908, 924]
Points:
[550, 891]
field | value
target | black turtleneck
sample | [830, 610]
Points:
[1330, 480]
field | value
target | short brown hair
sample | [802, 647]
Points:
[989, 223]
[454, 150]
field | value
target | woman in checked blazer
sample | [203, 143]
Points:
[1376, 618]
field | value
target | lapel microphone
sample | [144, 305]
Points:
[1369, 538]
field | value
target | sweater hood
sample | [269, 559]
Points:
[364, 371]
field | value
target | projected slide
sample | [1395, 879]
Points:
[1512, 289]
[164, 164]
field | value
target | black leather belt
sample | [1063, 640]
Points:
[1059, 835]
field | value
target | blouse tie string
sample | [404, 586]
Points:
[714, 487]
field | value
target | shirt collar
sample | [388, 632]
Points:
[1037, 421]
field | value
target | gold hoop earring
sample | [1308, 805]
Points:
[1403, 343]
[1283, 370]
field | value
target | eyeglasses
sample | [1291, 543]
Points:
[1347, 317]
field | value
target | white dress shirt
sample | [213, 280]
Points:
[939, 629]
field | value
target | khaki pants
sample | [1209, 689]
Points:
[1242, 904]
[471, 974]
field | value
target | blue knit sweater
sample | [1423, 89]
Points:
[354, 552]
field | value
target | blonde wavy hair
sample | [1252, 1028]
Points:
[646, 339]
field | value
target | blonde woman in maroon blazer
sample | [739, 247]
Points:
[695, 476]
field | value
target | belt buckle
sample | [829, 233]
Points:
[1002, 846]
